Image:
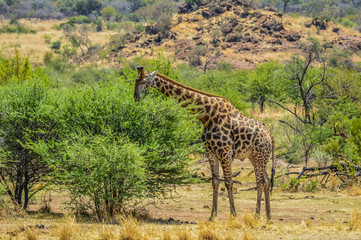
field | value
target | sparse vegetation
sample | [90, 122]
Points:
[69, 125]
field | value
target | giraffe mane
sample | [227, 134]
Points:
[189, 88]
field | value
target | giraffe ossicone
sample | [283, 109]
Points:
[228, 135]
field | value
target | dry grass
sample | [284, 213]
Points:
[130, 229]
[355, 223]
[354, 190]
[31, 234]
[249, 220]
[67, 230]
[34, 46]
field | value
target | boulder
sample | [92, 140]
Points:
[206, 13]
[335, 29]
[293, 37]
[233, 38]
[151, 30]
[184, 8]
[273, 25]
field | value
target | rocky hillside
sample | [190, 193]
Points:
[237, 34]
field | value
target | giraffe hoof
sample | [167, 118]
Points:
[211, 218]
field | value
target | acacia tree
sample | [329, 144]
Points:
[302, 80]
[27, 116]
[303, 83]
[263, 83]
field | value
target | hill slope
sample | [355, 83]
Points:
[240, 35]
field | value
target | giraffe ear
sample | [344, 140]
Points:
[153, 74]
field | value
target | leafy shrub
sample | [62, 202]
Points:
[192, 2]
[104, 170]
[79, 20]
[28, 118]
[164, 23]
[48, 57]
[14, 68]
[311, 187]
[347, 23]
[140, 27]
[194, 57]
[47, 38]
[292, 186]
[17, 29]
[56, 45]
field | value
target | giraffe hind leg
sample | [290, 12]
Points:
[260, 179]
[227, 172]
[215, 184]
[267, 195]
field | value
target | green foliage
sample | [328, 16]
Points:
[292, 186]
[192, 2]
[16, 29]
[108, 12]
[78, 20]
[103, 172]
[93, 137]
[86, 7]
[140, 27]
[47, 38]
[56, 45]
[28, 117]
[14, 68]
[224, 83]
[311, 187]
[347, 23]
[263, 83]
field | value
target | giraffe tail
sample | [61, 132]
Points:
[273, 164]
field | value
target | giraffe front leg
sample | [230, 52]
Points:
[215, 184]
[227, 172]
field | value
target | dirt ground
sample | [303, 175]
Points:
[322, 214]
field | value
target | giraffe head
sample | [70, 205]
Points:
[143, 82]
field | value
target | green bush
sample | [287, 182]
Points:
[347, 23]
[56, 45]
[140, 27]
[14, 68]
[262, 84]
[79, 20]
[17, 29]
[104, 172]
[28, 117]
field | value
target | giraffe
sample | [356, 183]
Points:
[227, 135]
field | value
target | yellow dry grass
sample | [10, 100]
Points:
[34, 46]
[131, 229]
[302, 215]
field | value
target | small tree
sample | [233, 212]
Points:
[103, 172]
[16, 67]
[108, 12]
[86, 7]
[263, 83]
[302, 85]
[27, 117]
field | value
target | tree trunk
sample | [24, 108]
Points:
[261, 106]
[26, 186]
[285, 6]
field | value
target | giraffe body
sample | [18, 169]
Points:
[228, 135]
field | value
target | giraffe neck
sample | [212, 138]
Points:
[187, 95]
